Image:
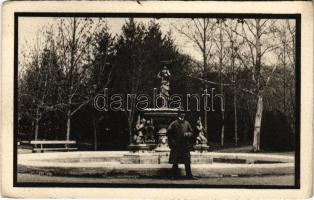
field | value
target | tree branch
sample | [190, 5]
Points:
[210, 82]
[80, 106]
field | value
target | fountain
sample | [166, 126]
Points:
[152, 128]
[155, 120]
[144, 148]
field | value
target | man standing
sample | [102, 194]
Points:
[180, 135]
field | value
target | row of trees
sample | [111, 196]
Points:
[250, 61]
[228, 46]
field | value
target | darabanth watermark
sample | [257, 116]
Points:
[119, 102]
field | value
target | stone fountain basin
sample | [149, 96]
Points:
[109, 164]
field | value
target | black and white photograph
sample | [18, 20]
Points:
[157, 100]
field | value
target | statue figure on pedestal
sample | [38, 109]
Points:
[201, 139]
[138, 137]
[149, 129]
[164, 75]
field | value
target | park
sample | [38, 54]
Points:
[96, 97]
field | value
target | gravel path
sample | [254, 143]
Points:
[285, 180]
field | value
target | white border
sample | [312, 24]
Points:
[305, 8]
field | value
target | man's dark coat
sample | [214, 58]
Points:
[179, 145]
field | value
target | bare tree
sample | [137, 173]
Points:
[285, 32]
[200, 32]
[233, 45]
[291, 54]
[101, 70]
[36, 83]
[258, 41]
[74, 44]
[221, 54]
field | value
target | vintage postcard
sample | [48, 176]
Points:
[167, 100]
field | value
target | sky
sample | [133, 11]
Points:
[29, 27]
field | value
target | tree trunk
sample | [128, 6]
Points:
[222, 135]
[284, 75]
[68, 125]
[245, 131]
[130, 123]
[204, 51]
[36, 129]
[95, 134]
[259, 89]
[36, 125]
[205, 117]
[221, 86]
[70, 83]
[235, 120]
[222, 138]
[234, 96]
[257, 123]
[223, 123]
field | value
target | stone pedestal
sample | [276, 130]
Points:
[162, 145]
[140, 158]
[152, 146]
[201, 148]
[162, 117]
[139, 148]
[163, 157]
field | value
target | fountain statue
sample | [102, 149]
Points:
[149, 130]
[139, 136]
[201, 140]
[164, 75]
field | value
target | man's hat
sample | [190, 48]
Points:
[181, 110]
